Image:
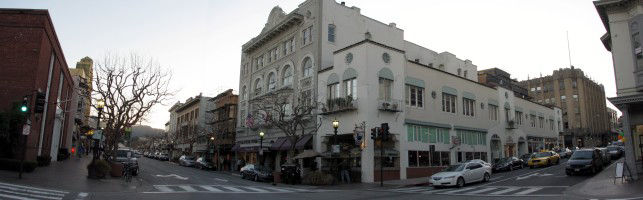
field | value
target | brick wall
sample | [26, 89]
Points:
[417, 172]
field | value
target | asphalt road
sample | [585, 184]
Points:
[165, 180]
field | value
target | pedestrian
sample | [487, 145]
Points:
[80, 151]
[345, 172]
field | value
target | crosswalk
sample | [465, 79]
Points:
[21, 192]
[227, 189]
[542, 191]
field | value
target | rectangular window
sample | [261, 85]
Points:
[331, 32]
[413, 159]
[350, 88]
[286, 47]
[448, 103]
[385, 89]
[414, 96]
[445, 158]
[532, 120]
[424, 159]
[561, 84]
[493, 112]
[333, 91]
[293, 44]
[468, 107]
[307, 35]
[541, 122]
[518, 117]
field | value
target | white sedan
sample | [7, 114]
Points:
[461, 174]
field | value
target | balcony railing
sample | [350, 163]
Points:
[340, 104]
[511, 124]
[306, 82]
[391, 105]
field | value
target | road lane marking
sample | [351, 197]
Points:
[256, 189]
[33, 188]
[187, 188]
[482, 190]
[31, 195]
[32, 191]
[459, 190]
[278, 189]
[16, 197]
[530, 190]
[219, 179]
[234, 189]
[505, 191]
[211, 189]
[163, 188]
[539, 170]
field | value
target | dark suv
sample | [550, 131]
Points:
[583, 161]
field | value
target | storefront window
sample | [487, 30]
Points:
[483, 156]
[445, 158]
[469, 156]
[424, 158]
[413, 159]
[435, 159]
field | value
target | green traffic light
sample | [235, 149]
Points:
[23, 108]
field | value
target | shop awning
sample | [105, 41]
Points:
[303, 141]
[283, 143]
[307, 154]
[277, 144]
[236, 147]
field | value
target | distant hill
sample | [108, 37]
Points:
[143, 130]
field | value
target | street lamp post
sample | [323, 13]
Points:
[261, 147]
[335, 126]
[212, 149]
[100, 104]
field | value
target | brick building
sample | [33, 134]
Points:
[31, 60]
[223, 122]
[497, 77]
[585, 120]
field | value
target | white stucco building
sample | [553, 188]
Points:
[364, 73]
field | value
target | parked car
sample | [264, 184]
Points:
[187, 161]
[605, 155]
[508, 164]
[546, 158]
[163, 157]
[460, 174]
[127, 156]
[584, 160]
[564, 153]
[203, 163]
[256, 173]
[615, 152]
[525, 158]
[479, 161]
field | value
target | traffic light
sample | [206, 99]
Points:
[385, 132]
[39, 106]
[373, 133]
[24, 107]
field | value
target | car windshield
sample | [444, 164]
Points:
[121, 153]
[454, 168]
[541, 155]
[612, 148]
[582, 155]
[189, 157]
[503, 160]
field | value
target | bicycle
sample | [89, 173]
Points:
[127, 172]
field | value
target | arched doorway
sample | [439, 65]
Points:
[496, 152]
[510, 147]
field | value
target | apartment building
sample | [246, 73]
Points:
[582, 101]
[224, 123]
[192, 132]
[622, 19]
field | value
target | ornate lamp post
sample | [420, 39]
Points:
[261, 147]
[335, 144]
[100, 104]
[212, 148]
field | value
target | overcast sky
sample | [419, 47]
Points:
[200, 41]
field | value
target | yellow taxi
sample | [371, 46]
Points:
[545, 158]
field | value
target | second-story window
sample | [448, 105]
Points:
[518, 117]
[493, 112]
[541, 122]
[385, 89]
[532, 120]
[333, 91]
[414, 96]
[468, 107]
[350, 88]
[272, 83]
[307, 67]
[448, 103]
[287, 76]
[307, 35]
[331, 32]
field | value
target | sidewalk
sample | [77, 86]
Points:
[423, 181]
[69, 175]
[602, 185]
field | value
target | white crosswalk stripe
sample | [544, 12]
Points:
[486, 190]
[21, 192]
[226, 189]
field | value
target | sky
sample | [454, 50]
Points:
[199, 41]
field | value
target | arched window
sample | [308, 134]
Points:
[272, 83]
[244, 94]
[459, 71]
[258, 86]
[307, 66]
[465, 73]
[287, 76]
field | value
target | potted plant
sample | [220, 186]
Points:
[393, 106]
[349, 100]
[385, 105]
[98, 169]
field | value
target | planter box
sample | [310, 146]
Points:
[117, 170]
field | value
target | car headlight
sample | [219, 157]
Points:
[449, 177]
[588, 165]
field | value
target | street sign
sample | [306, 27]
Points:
[26, 129]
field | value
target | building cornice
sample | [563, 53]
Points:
[622, 100]
[290, 20]
[368, 41]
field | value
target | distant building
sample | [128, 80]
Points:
[582, 101]
[84, 70]
[496, 77]
[613, 119]
[623, 21]
[223, 122]
[32, 60]
[192, 131]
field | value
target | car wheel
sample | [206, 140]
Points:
[486, 177]
[460, 182]
[593, 170]
[256, 179]
[531, 167]
[436, 187]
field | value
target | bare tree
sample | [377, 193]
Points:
[130, 86]
[290, 112]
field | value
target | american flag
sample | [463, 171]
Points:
[249, 120]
